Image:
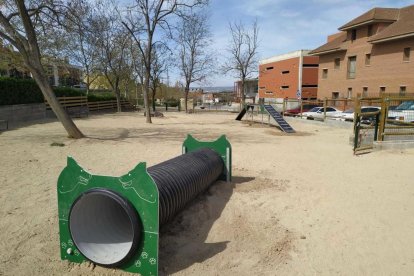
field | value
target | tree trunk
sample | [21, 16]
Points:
[118, 95]
[153, 100]
[242, 92]
[186, 90]
[87, 84]
[57, 108]
[146, 100]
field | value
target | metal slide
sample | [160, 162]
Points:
[243, 112]
[279, 119]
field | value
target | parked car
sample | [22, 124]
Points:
[403, 113]
[318, 113]
[296, 111]
[348, 115]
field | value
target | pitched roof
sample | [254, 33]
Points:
[403, 27]
[332, 46]
[373, 15]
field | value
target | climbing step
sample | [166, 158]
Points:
[279, 119]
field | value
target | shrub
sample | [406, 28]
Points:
[19, 91]
[25, 91]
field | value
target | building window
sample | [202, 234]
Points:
[353, 34]
[403, 89]
[351, 67]
[269, 68]
[406, 56]
[49, 70]
[262, 87]
[309, 86]
[310, 65]
[337, 63]
[368, 59]
[382, 89]
[364, 92]
[324, 73]
[349, 92]
[369, 30]
[285, 72]
[335, 95]
[284, 87]
[269, 92]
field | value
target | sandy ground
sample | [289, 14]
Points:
[298, 205]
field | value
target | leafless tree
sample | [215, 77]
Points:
[81, 39]
[113, 43]
[243, 53]
[160, 63]
[142, 19]
[18, 24]
[195, 61]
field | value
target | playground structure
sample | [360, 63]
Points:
[114, 221]
[270, 111]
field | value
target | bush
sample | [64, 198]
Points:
[101, 96]
[172, 102]
[19, 91]
[25, 91]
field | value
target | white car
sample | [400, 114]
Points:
[318, 113]
[348, 115]
[403, 113]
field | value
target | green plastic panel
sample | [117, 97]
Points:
[222, 146]
[137, 186]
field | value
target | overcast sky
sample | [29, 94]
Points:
[286, 25]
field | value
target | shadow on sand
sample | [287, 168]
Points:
[183, 240]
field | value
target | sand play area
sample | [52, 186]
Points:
[299, 204]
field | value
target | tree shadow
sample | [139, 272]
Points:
[183, 240]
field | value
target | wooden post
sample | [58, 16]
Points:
[284, 107]
[325, 104]
[357, 111]
[383, 120]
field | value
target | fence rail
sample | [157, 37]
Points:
[79, 105]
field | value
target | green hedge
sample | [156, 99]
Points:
[25, 91]
[19, 91]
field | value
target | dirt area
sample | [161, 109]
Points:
[299, 204]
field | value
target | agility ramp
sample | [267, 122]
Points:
[278, 118]
[114, 221]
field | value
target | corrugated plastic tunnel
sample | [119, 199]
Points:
[107, 229]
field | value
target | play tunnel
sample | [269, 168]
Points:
[114, 221]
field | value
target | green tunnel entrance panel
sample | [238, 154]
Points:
[136, 187]
[222, 146]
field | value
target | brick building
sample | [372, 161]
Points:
[283, 76]
[372, 54]
[250, 90]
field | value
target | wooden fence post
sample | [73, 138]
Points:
[325, 105]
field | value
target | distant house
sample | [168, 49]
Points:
[250, 90]
[372, 54]
[60, 72]
[291, 75]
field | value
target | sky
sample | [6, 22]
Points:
[285, 25]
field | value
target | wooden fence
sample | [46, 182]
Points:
[79, 105]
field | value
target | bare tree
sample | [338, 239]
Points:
[113, 43]
[195, 61]
[159, 66]
[81, 39]
[142, 20]
[17, 27]
[243, 56]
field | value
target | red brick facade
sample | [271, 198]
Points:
[381, 66]
[279, 76]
